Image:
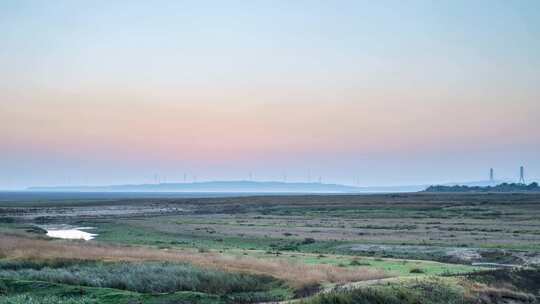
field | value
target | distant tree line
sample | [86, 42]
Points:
[504, 187]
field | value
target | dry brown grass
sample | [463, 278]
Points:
[296, 274]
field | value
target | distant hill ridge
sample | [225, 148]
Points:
[212, 186]
[504, 187]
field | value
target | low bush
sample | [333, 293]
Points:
[416, 270]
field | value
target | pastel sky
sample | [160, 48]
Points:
[356, 92]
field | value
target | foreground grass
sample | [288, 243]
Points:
[516, 287]
[38, 292]
[138, 277]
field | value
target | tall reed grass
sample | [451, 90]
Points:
[144, 277]
[29, 299]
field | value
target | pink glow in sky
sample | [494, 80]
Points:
[93, 93]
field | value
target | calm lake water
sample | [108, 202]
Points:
[70, 233]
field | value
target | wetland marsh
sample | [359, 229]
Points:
[303, 244]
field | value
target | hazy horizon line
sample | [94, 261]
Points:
[359, 186]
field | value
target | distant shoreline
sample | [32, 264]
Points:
[504, 187]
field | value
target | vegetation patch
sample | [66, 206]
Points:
[29, 299]
[39, 292]
[421, 292]
[139, 277]
[521, 279]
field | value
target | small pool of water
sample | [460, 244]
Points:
[70, 233]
